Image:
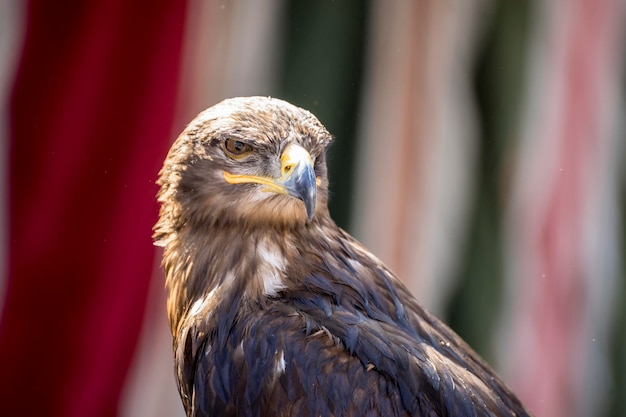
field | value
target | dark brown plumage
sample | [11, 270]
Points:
[276, 311]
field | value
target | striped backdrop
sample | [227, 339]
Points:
[479, 152]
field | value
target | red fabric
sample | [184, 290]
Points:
[559, 316]
[92, 109]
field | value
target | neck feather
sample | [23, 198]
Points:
[203, 266]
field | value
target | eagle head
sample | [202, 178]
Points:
[252, 160]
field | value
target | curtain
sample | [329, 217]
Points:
[91, 115]
[478, 152]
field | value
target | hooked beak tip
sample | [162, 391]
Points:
[301, 182]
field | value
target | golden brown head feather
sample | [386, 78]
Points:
[202, 195]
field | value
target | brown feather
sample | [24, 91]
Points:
[273, 314]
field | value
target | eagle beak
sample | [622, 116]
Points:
[297, 178]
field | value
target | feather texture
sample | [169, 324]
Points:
[273, 314]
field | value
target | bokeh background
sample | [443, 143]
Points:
[479, 151]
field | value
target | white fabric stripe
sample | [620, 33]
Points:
[417, 141]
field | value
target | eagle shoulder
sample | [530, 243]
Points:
[271, 364]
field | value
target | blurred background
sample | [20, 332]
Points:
[479, 151]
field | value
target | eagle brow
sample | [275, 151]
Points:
[238, 137]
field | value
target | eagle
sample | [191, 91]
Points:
[274, 309]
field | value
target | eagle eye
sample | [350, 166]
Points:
[236, 149]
